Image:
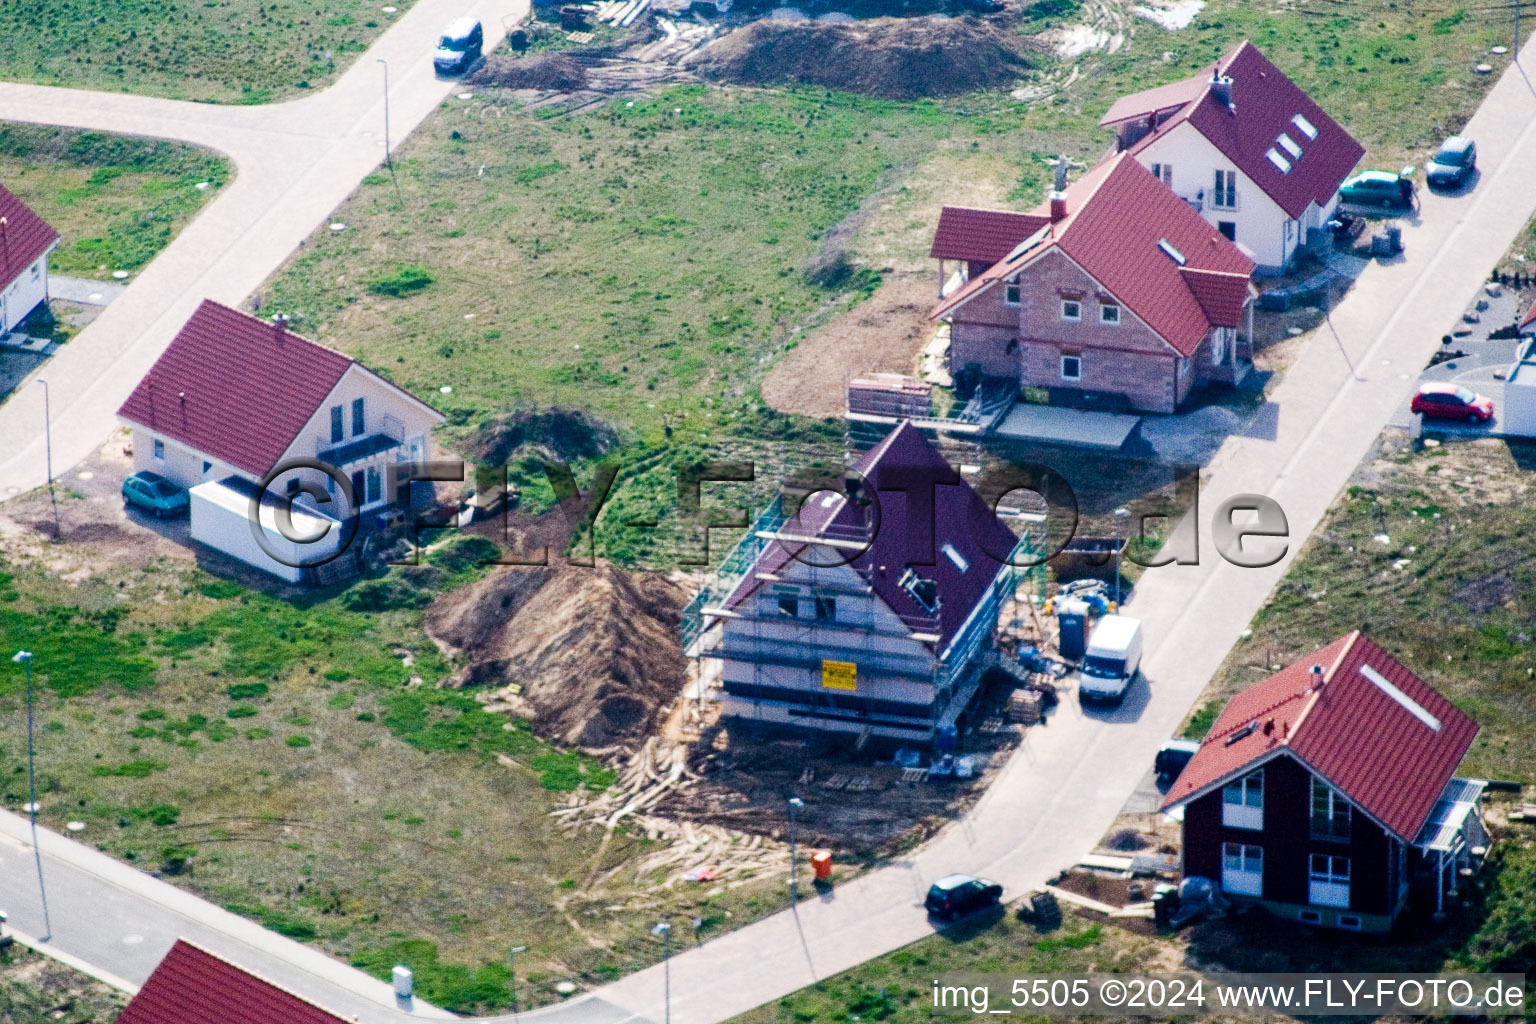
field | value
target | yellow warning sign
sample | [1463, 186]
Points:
[839, 675]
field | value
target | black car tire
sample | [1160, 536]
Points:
[1474, 418]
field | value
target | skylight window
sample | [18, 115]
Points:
[956, 557]
[1171, 252]
[924, 592]
[1410, 705]
[1289, 145]
[1304, 126]
[1280, 162]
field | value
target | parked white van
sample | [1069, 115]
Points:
[1112, 660]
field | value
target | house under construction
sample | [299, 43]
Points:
[872, 611]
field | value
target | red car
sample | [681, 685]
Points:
[1452, 402]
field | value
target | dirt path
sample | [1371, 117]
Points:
[883, 333]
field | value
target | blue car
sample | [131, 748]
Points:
[155, 494]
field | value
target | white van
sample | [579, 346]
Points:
[1112, 659]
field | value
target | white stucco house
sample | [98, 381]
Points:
[234, 398]
[26, 241]
[1246, 147]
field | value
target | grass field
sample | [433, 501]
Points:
[115, 201]
[36, 990]
[295, 763]
[223, 51]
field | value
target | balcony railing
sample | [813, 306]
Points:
[389, 434]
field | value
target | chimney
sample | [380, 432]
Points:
[1059, 190]
[279, 325]
[1221, 88]
[1317, 677]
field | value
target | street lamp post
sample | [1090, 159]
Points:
[665, 931]
[387, 158]
[1120, 515]
[795, 804]
[512, 955]
[48, 451]
[24, 658]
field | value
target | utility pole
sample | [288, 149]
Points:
[512, 955]
[387, 159]
[795, 804]
[58, 531]
[1120, 515]
[665, 931]
[25, 658]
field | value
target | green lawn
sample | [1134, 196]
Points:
[34, 989]
[115, 200]
[295, 763]
[222, 51]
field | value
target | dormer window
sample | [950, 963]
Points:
[924, 592]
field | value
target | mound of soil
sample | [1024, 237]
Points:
[567, 434]
[554, 72]
[594, 651]
[893, 58]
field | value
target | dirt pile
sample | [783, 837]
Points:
[554, 72]
[893, 58]
[567, 434]
[589, 655]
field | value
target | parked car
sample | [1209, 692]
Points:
[954, 896]
[1452, 402]
[1452, 164]
[1378, 188]
[458, 51]
[1172, 756]
[155, 494]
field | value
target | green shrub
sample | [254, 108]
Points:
[242, 711]
[406, 279]
[391, 593]
[246, 691]
[297, 741]
[140, 769]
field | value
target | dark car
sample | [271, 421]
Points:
[957, 895]
[1452, 402]
[1453, 164]
[1378, 188]
[1172, 756]
[155, 494]
[458, 51]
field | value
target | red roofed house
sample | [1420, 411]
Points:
[25, 242]
[1246, 147]
[871, 610]
[234, 396]
[1327, 792]
[1113, 291]
[193, 986]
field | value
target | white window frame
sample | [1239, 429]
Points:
[1242, 802]
[1246, 878]
[1327, 884]
[1163, 173]
[1071, 376]
[1224, 195]
[1338, 808]
[1012, 293]
[1109, 314]
[1073, 317]
[157, 449]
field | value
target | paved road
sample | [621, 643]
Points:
[1064, 788]
[295, 163]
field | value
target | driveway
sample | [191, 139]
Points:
[1064, 788]
[295, 163]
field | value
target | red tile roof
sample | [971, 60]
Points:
[1530, 318]
[193, 986]
[1118, 218]
[949, 514]
[23, 238]
[985, 236]
[233, 386]
[1387, 758]
[1264, 105]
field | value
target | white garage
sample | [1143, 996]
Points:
[221, 518]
